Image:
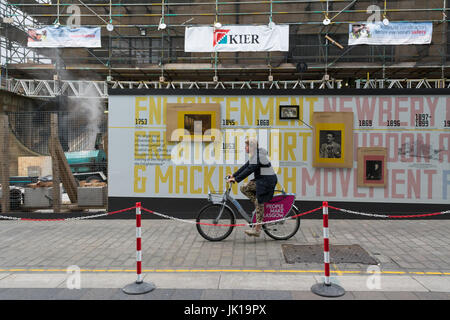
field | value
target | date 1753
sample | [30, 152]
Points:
[141, 122]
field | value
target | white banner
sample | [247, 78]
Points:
[64, 37]
[237, 38]
[395, 33]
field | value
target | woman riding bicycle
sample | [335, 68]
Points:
[260, 189]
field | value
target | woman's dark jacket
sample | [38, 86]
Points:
[265, 177]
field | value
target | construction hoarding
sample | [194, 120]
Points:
[414, 129]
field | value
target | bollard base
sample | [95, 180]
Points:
[139, 288]
[331, 290]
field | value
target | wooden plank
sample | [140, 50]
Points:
[4, 161]
[68, 179]
[56, 196]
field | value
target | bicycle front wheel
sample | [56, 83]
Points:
[210, 227]
[285, 229]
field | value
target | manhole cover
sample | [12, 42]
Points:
[338, 254]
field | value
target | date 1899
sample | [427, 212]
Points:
[422, 120]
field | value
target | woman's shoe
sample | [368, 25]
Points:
[252, 233]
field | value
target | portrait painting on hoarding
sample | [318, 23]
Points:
[333, 139]
[192, 121]
[330, 144]
[372, 167]
[197, 123]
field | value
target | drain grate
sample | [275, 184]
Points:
[338, 254]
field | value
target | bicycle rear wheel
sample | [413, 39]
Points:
[284, 229]
[212, 229]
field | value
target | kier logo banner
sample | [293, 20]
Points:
[220, 36]
[237, 38]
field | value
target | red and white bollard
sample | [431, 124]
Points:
[326, 243]
[139, 287]
[327, 289]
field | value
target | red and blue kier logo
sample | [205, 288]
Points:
[220, 36]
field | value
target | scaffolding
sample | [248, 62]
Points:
[138, 49]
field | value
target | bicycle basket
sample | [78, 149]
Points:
[215, 197]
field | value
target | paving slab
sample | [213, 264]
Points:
[433, 295]
[217, 294]
[27, 294]
[387, 283]
[401, 295]
[187, 294]
[434, 283]
[266, 281]
[258, 295]
[24, 280]
[103, 280]
[184, 280]
[369, 295]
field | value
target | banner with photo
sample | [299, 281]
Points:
[64, 37]
[395, 33]
[237, 38]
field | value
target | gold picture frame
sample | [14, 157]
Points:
[332, 139]
[194, 121]
[372, 167]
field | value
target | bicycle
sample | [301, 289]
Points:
[216, 221]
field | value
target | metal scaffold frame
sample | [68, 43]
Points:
[99, 89]
[138, 49]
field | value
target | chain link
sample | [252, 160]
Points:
[384, 216]
[228, 225]
[69, 219]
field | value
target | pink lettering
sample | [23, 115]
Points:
[392, 147]
[399, 109]
[432, 105]
[365, 111]
[423, 148]
[327, 183]
[342, 102]
[308, 181]
[416, 108]
[356, 193]
[327, 106]
[385, 110]
[414, 184]
[407, 148]
[395, 182]
[344, 174]
[430, 174]
[444, 147]
[378, 137]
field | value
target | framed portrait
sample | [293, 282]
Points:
[332, 139]
[194, 121]
[289, 112]
[372, 167]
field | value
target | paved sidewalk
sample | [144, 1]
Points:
[413, 255]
